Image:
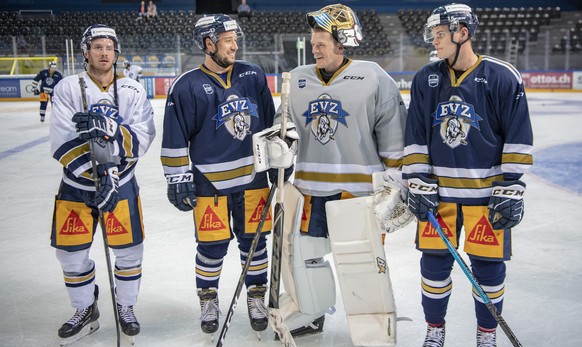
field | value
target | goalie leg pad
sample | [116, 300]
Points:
[362, 272]
[307, 277]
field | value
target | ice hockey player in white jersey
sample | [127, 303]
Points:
[132, 71]
[350, 117]
[97, 105]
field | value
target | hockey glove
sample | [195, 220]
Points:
[270, 151]
[36, 92]
[274, 174]
[107, 196]
[506, 204]
[182, 191]
[92, 125]
[389, 199]
[422, 196]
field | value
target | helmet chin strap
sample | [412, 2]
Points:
[213, 57]
[459, 44]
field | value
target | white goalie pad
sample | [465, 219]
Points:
[388, 201]
[270, 151]
[307, 278]
[362, 271]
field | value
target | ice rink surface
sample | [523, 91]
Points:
[543, 305]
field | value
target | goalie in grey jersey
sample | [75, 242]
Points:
[350, 118]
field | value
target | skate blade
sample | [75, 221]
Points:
[131, 340]
[87, 330]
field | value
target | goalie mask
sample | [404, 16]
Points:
[451, 15]
[99, 31]
[340, 21]
[212, 26]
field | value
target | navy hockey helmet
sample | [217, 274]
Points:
[98, 31]
[52, 64]
[453, 15]
[213, 25]
[126, 63]
[340, 21]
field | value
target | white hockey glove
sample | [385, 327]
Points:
[270, 151]
[389, 200]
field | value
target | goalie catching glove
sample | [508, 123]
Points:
[388, 201]
[182, 191]
[422, 196]
[506, 204]
[272, 152]
[93, 125]
[107, 195]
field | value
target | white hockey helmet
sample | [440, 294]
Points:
[126, 63]
[340, 21]
[97, 31]
[213, 25]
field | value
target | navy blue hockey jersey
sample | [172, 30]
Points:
[470, 131]
[208, 126]
[46, 82]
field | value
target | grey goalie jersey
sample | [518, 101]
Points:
[349, 127]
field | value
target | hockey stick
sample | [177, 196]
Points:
[275, 319]
[82, 85]
[490, 306]
[245, 270]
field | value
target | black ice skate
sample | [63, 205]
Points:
[435, 336]
[42, 118]
[209, 310]
[258, 313]
[314, 327]
[83, 323]
[127, 321]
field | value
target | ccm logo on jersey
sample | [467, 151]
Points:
[247, 73]
[358, 78]
[422, 188]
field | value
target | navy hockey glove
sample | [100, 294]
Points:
[422, 196]
[92, 125]
[182, 191]
[274, 174]
[107, 196]
[36, 92]
[506, 204]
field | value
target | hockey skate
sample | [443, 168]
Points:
[83, 323]
[314, 327]
[209, 310]
[258, 313]
[42, 118]
[435, 336]
[128, 322]
[486, 338]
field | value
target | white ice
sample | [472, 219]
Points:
[543, 305]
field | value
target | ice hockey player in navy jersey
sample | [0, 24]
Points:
[211, 114]
[44, 84]
[468, 142]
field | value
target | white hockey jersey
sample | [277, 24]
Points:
[134, 72]
[349, 127]
[134, 115]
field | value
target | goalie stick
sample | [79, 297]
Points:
[102, 223]
[490, 306]
[245, 270]
[275, 319]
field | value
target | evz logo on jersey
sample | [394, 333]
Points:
[323, 116]
[235, 114]
[105, 108]
[455, 118]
